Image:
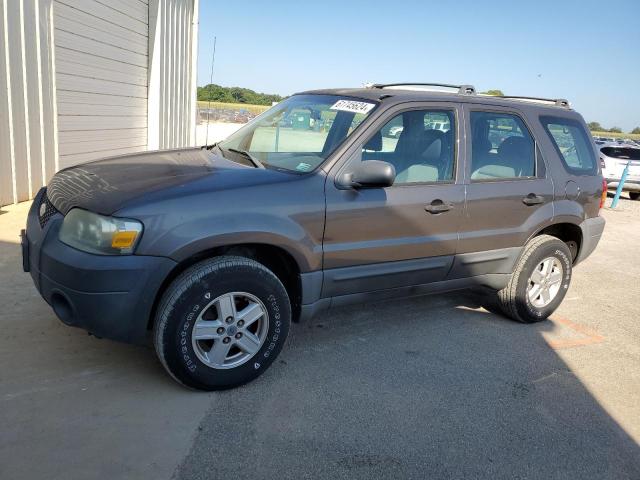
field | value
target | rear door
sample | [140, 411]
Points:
[509, 194]
[406, 234]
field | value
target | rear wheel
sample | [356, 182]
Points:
[539, 282]
[634, 195]
[221, 323]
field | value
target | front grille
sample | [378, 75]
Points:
[46, 210]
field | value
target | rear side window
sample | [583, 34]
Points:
[572, 144]
[501, 147]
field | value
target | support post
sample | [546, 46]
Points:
[623, 179]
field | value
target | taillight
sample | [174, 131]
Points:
[603, 198]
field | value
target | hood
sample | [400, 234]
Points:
[108, 185]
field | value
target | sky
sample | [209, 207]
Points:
[585, 51]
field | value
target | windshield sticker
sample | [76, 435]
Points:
[353, 106]
[303, 167]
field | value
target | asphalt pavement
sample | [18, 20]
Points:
[430, 387]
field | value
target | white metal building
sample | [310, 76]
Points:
[85, 79]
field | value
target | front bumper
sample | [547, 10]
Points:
[109, 296]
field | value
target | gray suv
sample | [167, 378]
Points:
[330, 197]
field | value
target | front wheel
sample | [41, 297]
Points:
[634, 195]
[539, 282]
[221, 323]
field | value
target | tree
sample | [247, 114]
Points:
[596, 127]
[615, 130]
[495, 93]
[636, 131]
[216, 93]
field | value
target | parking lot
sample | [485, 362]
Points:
[430, 387]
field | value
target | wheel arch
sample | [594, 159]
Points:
[568, 230]
[276, 258]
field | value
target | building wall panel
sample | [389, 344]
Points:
[6, 126]
[101, 25]
[103, 11]
[100, 136]
[101, 51]
[28, 155]
[87, 79]
[173, 29]
[91, 32]
[76, 42]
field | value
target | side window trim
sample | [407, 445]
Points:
[539, 162]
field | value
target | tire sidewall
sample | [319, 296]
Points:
[179, 353]
[526, 310]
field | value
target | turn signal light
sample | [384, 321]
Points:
[124, 239]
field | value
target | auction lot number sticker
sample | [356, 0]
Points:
[353, 106]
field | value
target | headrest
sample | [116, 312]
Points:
[375, 143]
[432, 134]
[514, 146]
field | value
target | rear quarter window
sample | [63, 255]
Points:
[572, 144]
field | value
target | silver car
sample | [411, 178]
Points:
[613, 159]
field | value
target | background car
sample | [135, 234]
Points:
[396, 131]
[613, 159]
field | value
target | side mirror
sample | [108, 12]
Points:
[369, 174]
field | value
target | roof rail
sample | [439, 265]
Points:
[560, 102]
[462, 89]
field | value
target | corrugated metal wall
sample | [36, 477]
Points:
[120, 78]
[27, 106]
[101, 75]
[173, 38]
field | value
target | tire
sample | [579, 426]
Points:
[241, 289]
[634, 195]
[514, 299]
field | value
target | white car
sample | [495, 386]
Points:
[443, 127]
[396, 131]
[614, 159]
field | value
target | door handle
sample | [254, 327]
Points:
[438, 206]
[533, 199]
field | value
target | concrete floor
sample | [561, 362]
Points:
[432, 387]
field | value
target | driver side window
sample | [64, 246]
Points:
[420, 144]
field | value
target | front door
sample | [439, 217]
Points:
[406, 234]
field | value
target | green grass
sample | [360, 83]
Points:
[255, 109]
[633, 136]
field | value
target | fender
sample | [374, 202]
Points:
[287, 212]
[255, 229]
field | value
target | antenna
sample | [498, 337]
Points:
[213, 60]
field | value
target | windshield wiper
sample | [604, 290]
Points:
[246, 154]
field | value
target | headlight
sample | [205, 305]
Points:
[95, 233]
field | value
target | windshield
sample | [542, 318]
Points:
[299, 133]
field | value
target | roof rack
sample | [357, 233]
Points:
[560, 102]
[462, 89]
[471, 90]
